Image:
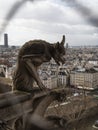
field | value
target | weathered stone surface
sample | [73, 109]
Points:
[14, 104]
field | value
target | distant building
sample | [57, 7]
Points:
[6, 40]
[48, 80]
[67, 46]
[86, 79]
[3, 71]
[63, 77]
[94, 62]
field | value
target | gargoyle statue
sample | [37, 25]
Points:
[31, 55]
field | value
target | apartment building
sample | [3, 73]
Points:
[63, 77]
[50, 81]
[86, 79]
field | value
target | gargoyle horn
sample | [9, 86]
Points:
[63, 40]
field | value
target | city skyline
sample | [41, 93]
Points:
[49, 20]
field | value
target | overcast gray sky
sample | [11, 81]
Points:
[49, 20]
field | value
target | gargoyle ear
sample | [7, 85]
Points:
[63, 40]
[57, 45]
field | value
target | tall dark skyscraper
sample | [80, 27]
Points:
[67, 45]
[6, 40]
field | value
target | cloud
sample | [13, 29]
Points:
[22, 30]
[48, 11]
[13, 10]
[53, 28]
[49, 20]
[86, 12]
